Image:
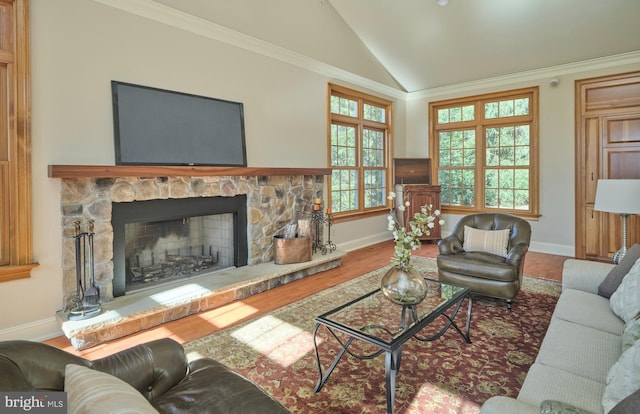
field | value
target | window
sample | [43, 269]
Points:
[359, 152]
[15, 143]
[485, 152]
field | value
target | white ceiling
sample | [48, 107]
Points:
[424, 45]
[417, 45]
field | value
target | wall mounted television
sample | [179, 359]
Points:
[161, 127]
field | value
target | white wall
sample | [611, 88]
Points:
[78, 47]
[554, 231]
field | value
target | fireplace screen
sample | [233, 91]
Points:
[162, 251]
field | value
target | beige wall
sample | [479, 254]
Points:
[79, 46]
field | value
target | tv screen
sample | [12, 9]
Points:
[412, 170]
[161, 127]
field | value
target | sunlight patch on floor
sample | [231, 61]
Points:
[280, 341]
[455, 402]
[229, 314]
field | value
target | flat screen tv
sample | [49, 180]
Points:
[412, 170]
[160, 127]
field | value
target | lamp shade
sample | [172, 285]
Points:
[618, 196]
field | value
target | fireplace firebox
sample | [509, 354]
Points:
[163, 240]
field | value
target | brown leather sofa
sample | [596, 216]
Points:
[486, 273]
[159, 370]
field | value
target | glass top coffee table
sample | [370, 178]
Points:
[377, 321]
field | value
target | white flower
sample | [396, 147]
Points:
[407, 240]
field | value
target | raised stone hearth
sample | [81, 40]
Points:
[145, 309]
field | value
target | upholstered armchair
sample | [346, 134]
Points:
[485, 252]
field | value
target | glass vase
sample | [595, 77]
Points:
[403, 285]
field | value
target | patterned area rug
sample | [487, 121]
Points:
[444, 376]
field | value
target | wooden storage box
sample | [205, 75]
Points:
[292, 250]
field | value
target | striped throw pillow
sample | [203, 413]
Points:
[90, 392]
[489, 241]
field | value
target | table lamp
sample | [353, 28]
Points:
[621, 196]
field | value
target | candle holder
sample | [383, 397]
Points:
[329, 220]
[317, 218]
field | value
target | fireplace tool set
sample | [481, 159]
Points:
[87, 301]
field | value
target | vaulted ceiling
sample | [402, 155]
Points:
[424, 45]
[418, 45]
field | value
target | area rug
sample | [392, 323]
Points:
[444, 376]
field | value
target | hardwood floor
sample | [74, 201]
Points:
[354, 264]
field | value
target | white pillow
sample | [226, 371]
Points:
[622, 379]
[94, 392]
[625, 301]
[489, 241]
[631, 332]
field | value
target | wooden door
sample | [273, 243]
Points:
[607, 147]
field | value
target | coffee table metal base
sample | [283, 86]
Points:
[393, 356]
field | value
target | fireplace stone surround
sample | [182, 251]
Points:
[272, 202]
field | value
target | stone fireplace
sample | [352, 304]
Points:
[271, 203]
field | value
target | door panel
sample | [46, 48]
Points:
[592, 226]
[623, 130]
[621, 163]
[592, 156]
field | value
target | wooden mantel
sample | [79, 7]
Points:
[115, 171]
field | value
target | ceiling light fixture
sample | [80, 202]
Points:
[442, 2]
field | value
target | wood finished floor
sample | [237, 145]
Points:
[354, 264]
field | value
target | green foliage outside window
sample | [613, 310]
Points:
[490, 149]
[359, 148]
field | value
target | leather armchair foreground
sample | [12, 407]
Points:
[485, 273]
[159, 370]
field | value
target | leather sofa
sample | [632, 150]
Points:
[486, 273]
[159, 370]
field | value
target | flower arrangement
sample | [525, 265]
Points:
[408, 240]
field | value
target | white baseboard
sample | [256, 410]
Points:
[364, 241]
[538, 247]
[33, 331]
[552, 248]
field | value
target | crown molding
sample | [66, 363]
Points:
[531, 75]
[184, 21]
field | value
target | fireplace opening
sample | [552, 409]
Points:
[159, 241]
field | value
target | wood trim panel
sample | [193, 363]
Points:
[115, 171]
[19, 193]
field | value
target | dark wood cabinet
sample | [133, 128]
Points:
[419, 195]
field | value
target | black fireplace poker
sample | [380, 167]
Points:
[86, 304]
